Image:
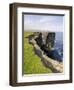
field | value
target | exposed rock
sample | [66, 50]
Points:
[48, 62]
[46, 39]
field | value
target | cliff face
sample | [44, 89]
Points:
[54, 65]
[50, 40]
[46, 39]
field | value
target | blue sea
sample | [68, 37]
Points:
[59, 44]
[57, 52]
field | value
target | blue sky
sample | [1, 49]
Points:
[43, 22]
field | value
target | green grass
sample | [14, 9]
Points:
[32, 63]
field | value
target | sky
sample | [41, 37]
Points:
[51, 23]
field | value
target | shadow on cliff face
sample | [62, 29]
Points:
[54, 54]
[42, 51]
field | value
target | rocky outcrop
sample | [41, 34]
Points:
[55, 66]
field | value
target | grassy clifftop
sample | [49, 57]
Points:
[32, 63]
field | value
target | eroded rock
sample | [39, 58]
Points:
[56, 67]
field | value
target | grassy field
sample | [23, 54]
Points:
[32, 63]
